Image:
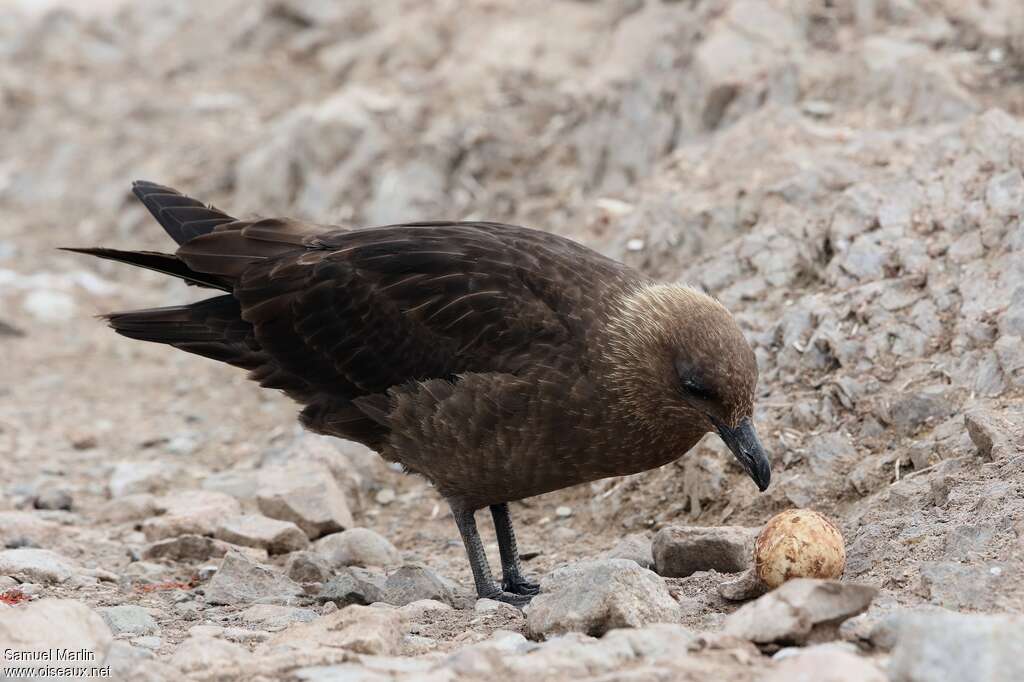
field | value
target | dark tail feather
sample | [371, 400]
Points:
[183, 217]
[166, 263]
[213, 328]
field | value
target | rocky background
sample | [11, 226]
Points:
[845, 175]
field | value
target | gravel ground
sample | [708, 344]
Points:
[845, 176]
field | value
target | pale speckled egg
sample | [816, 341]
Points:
[798, 543]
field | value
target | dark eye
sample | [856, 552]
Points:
[697, 390]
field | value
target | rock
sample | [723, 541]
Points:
[129, 478]
[1011, 320]
[307, 495]
[193, 548]
[136, 662]
[824, 663]
[129, 620]
[681, 551]
[563, 512]
[256, 530]
[241, 484]
[49, 306]
[360, 629]
[935, 647]
[912, 410]
[195, 512]
[1005, 194]
[129, 508]
[275, 617]
[240, 580]
[307, 567]
[37, 565]
[53, 499]
[957, 585]
[988, 433]
[747, 586]
[492, 606]
[385, 496]
[635, 547]
[353, 585]
[204, 653]
[26, 529]
[357, 547]
[147, 642]
[53, 624]
[414, 611]
[414, 582]
[799, 611]
[597, 596]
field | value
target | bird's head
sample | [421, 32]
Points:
[681, 364]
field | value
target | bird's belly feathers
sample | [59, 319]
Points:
[495, 438]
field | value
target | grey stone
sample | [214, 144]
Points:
[360, 629]
[342, 672]
[357, 547]
[912, 410]
[276, 617]
[239, 580]
[191, 548]
[1005, 193]
[129, 619]
[935, 647]
[49, 306]
[353, 585]
[1011, 320]
[989, 433]
[22, 528]
[414, 611]
[597, 596]
[963, 540]
[799, 611]
[829, 452]
[635, 547]
[137, 662]
[241, 484]
[37, 565]
[141, 477]
[1010, 351]
[493, 606]
[193, 512]
[53, 499]
[955, 585]
[52, 624]
[307, 567]
[824, 663]
[205, 653]
[256, 530]
[681, 551]
[307, 495]
[413, 582]
[129, 508]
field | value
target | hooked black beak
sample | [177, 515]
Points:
[744, 443]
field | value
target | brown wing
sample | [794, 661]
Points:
[358, 312]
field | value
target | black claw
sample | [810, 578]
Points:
[517, 600]
[521, 586]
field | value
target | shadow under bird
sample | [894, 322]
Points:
[496, 361]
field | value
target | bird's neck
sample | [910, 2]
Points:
[635, 372]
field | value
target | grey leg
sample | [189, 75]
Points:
[512, 579]
[485, 586]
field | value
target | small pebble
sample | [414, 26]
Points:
[563, 512]
[385, 496]
[150, 642]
